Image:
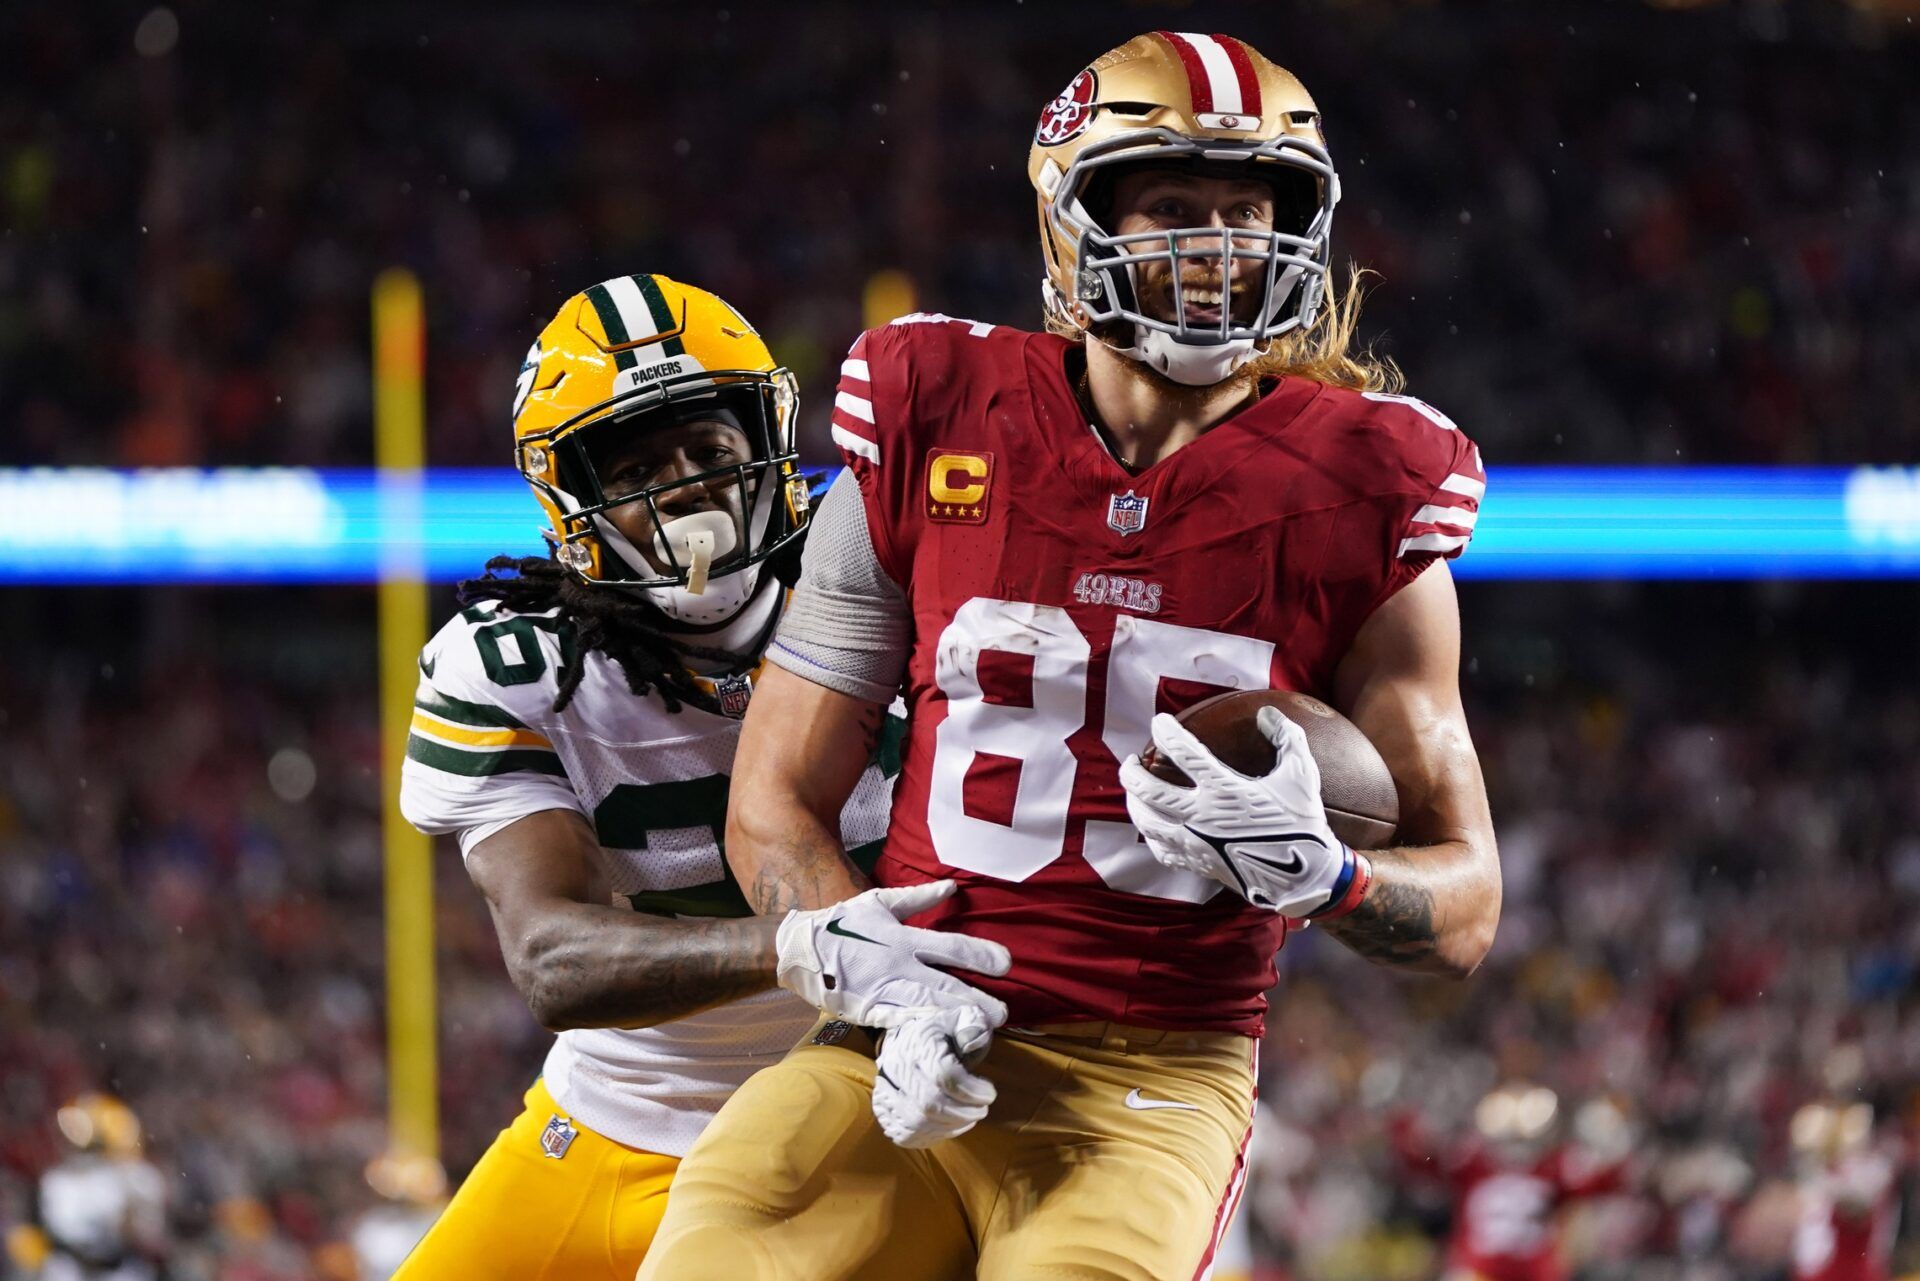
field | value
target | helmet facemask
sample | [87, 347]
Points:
[1286, 266]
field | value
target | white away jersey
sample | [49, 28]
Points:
[486, 748]
[102, 1207]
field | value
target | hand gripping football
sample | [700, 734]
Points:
[1363, 806]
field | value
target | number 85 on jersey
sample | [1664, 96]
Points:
[1017, 767]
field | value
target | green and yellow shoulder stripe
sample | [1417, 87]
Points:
[475, 739]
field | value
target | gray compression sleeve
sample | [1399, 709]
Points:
[848, 625]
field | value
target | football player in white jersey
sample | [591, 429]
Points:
[575, 728]
[104, 1207]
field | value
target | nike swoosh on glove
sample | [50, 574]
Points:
[856, 961]
[1266, 838]
[923, 1091]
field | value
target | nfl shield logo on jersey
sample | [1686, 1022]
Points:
[733, 693]
[832, 1033]
[557, 1137]
[1126, 513]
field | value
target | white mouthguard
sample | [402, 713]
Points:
[696, 541]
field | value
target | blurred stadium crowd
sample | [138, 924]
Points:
[1604, 234]
[1711, 915]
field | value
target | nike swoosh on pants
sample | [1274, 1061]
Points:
[1140, 1103]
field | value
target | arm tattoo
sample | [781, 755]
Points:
[872, 717]
[602, 967]
[1394, 924]
[812, 871]
[703, 967]
[771, 893]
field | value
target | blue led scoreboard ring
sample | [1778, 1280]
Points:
[293, 525]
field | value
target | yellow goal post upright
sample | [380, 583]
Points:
[399, 437]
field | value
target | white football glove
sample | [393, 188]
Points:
[856, 961]
[1265, 838]
[923, 1092]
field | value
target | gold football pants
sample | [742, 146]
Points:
[523, 1215]
[1111, 1153]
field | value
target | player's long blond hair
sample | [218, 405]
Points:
[1325, 351]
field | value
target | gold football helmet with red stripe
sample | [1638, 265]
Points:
[627, 356]
[1181, 99]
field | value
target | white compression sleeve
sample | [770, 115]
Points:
[849, 624]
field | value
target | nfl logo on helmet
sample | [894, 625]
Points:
[1126, 513]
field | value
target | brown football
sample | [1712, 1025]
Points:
[1363, 806]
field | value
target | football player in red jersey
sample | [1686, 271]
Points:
[1043, 541]
[1849, 1194]
[1510, 1184]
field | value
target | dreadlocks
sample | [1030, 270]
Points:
[622, 625]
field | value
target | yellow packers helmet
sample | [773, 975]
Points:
[634, 354]
[1206, 102]
[96, 1122]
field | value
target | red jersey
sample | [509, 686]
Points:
[1059, 601]
[1848, 1216]
[1506, 1216]
[1506, 1220]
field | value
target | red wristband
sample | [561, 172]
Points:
[1357, 889]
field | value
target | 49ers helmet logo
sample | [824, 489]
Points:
[1068, 114]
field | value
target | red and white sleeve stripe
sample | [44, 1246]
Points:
[853, 426]
[1445, 523]
[1219, 74]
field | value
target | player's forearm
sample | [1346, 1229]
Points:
[802, 749]
[583, 965]
[1431, 908]
[1435, 900]
[787, 857]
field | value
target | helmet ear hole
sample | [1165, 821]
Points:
[1296, 200]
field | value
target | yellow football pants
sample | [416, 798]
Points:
[522, 1215]
[1111, 1154]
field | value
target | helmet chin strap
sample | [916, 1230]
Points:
[697, 541]
[1187, 363]
[1184, 363]
[723, 598]
[736, 643]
